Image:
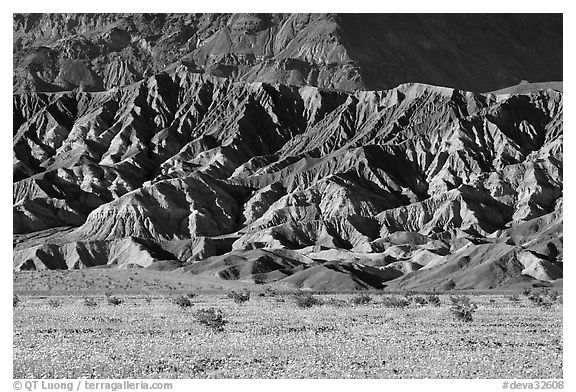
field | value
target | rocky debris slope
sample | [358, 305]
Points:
[413, 187]
[97, 52]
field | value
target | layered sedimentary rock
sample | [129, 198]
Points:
[97, 52]
[412, 187]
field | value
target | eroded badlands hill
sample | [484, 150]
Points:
[97, 52]
[413, 187]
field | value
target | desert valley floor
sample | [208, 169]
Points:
[78, 330]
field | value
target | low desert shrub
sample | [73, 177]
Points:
[211, 318]
[239, 297]
[419, 300]
[54, 303]
[513, 298]
[544, 298]
[15, 300]
[462, 308]
[113, 300]
[190, 295]
[269, 291]
[337, 303]
[148, 299]
[307, 300]
[182, 301]
[527, 291]
[395, 302]
[362, 299]
[434, 300]
[90, 302]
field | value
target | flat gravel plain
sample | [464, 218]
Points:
[271, 337]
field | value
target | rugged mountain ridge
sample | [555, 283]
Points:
[474, 52]
[412, 187]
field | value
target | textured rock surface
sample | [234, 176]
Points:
[412, 187]
[96, 52]
[418, 186]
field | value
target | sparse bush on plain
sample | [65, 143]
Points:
[182, 301]
[513, 298]
[362, 299]
[113, 300]
[419, 300]
[269, 291]
[462, 308]
[307, 300]
[395, 301]
[148, 299]
[239, 297]
[90, 302]
[54, 303]
[544, 298]
[434, 300]
[15, 300]
[211, 318]
[337, 303]
[190, 295]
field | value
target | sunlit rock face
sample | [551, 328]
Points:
[264, 176]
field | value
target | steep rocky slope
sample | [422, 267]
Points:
[413, 187]
[97, 52]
